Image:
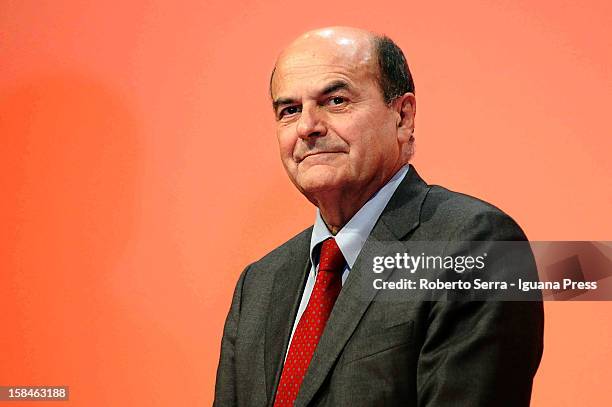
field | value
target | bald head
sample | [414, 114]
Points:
[342, 35]
[371, 52]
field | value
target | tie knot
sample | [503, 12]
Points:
[331, 258]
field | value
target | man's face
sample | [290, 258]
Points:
[335, 132]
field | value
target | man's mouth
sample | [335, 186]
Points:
[317, 153]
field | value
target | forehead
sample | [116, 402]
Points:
[313, 63]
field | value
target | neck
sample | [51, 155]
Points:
[337, 209]
[338, 206]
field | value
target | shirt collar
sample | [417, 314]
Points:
[353, 235]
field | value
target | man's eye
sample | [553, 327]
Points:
[289, 111]
[337, 100]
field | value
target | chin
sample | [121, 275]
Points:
[319, 178]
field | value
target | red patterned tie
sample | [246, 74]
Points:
[311, 325]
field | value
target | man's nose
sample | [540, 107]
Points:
[311, 123]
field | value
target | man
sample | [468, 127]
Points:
[301, 330]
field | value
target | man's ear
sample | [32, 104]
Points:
[405, 109]
[405, 106]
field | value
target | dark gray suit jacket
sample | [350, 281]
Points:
[379, 353]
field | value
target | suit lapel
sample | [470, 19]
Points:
[399, 218]
[289, 280]
[403, 212]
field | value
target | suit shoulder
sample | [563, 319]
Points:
[443, 199]
[259, 275]
[296, 244]
[455, 209]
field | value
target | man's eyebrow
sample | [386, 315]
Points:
[331, 88]
[334, 86]
[282, 101]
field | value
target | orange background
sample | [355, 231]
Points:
[140, 173]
